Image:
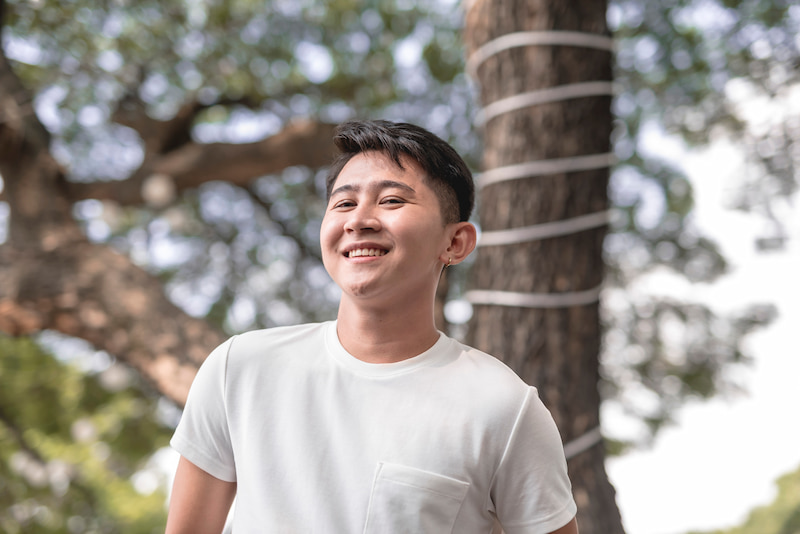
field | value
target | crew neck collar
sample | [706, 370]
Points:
[360, 367]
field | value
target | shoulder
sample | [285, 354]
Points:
[487, 381]
[485, 367]
[273, 346]
[277, 336]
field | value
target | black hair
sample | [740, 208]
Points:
[447, 173]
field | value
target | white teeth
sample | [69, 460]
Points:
[366, 252]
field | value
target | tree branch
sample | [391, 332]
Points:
[18, 123]
[301, 143]
[93, 293]
[159, 137]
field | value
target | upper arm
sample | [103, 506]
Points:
[199, 502]
[531, 485]
[569, 528]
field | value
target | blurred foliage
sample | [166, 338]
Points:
[712, 70]
[781, 516]
[71, 443]
[224, 250]
[661, 352]
[692, 72]
[248, 257]
[263, 63]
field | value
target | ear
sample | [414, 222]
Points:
[463, 237]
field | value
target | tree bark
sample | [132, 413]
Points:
[91, 292]
[556, 349]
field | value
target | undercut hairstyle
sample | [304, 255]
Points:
[445, 171]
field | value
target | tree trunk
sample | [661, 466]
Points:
[549, 332]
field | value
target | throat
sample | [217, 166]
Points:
[384, 339]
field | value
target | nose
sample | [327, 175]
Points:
[362, 219]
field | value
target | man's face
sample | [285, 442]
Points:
[383, 236]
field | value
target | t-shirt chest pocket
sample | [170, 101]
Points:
[410, 501]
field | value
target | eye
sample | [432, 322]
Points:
[344, 204]
[393, 200]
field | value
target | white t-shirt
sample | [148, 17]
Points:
[321, 442]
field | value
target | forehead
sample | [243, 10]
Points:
[375, 167]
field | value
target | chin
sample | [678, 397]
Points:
[358, 289]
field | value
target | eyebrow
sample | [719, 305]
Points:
[383, 184]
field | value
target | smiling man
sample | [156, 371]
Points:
[375, 422]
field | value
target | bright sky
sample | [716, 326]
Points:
[723, 456]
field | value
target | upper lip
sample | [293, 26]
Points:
[359, 246]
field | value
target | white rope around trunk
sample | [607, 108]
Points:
[544, 167]
[583, 443]
[536, 38]
[558, 93]
[533, 300]
[545, 230]
[589, 439]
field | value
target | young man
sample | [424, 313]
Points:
[375, 422]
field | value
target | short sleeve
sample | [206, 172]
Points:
[531, 492]
[202, 435]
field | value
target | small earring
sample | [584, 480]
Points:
[449, 261]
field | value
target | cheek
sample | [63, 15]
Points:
[328, 224]
[331, 232]
[326, 252]
[326, 236]
[426, 232]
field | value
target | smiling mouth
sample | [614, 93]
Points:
[364, 252]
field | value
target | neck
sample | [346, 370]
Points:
[383, 336]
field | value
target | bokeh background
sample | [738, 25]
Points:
[162, 167]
